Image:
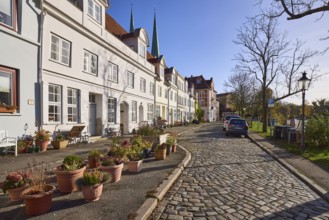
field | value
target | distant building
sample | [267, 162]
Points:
[225, 105]
[206, 96]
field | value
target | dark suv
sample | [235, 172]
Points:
[237, 126]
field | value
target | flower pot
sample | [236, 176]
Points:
[93, 162]
[115, 171]
[7, 110]
[174, 148]
[15, 194]
[38, 203]
[67, 179]
[92, 193]
[168, 149]
[60, 144]
[160, 154]
[135, 166]
[43, 145]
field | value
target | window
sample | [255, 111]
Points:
[157, 111]
[161, 72]
[166, 93]
[8, 13]
[141, 50]
[72, 105]
[113, 72]
[54, 103]
[111, 110]
[175, 97]
[8, 86]
[159, 91]
[134, 111]
[151, 88]
[95, 11]
[130, 79]
[142, 85]
[150, 111]
[90, 62]
[171, 95]
[60, 50]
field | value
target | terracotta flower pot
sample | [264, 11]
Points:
[160, 154]
[174, 148]
[43, 145]
[92, 193]
[115, 171]
[135, 166]
[38, 203]
[60, 144]
[15, 194]
[67, 179]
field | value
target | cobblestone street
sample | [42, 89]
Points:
[232, 178]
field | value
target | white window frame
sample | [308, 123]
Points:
[130, 79]
[142, 85]
[150, 109]
[90, 62]
[157, 111]
[73, 113]
[60, 51]
[141, 50]
[159, 91]
[134, 111]
[113, 72]
[151, 88]
[54, 104]
[95, 11]
[111, 110]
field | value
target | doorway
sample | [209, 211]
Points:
[124, 118]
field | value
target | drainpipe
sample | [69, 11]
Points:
[39, 74]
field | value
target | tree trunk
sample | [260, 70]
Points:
[264, 104]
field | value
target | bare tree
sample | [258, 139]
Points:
[241, 87]
[266, 54]
[296, 9]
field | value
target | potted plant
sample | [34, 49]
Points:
[94, 158]
[113, 161]
[15, 184]
[21, 146]
[171, 142]
[135, 156]
[38, 196]
[67, 174]
[28, 139]
[160, 152]
[91, 184]
[42, 138]
[144, 144]
[59, 141]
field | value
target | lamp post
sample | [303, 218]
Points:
[303, 84]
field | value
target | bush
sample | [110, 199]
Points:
[317, 131]
[148, 131]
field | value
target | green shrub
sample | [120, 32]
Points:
[148, 131]
[317, 131]
[72, 162]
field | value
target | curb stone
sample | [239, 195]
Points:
[310, 183]
[151, 203]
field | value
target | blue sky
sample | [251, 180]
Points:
[197, 36]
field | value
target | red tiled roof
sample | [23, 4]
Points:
[113, 26]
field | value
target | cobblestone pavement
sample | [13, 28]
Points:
[232, 178]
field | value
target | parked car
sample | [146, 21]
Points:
[238, 126]
[227, 118]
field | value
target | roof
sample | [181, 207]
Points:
[113, 26]
[204, 84]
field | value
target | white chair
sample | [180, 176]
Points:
[6, 141]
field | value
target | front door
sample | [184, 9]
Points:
[92, 119]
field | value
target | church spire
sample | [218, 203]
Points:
[132, 28]
[155, 45]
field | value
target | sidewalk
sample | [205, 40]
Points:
[311, 174]
[128, 196]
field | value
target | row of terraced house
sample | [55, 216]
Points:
[68, 62]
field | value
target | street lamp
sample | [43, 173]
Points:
[303, 84]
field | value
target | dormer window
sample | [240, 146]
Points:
[141, 50]
[198, 81]
[95, 11]
[161, 72]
